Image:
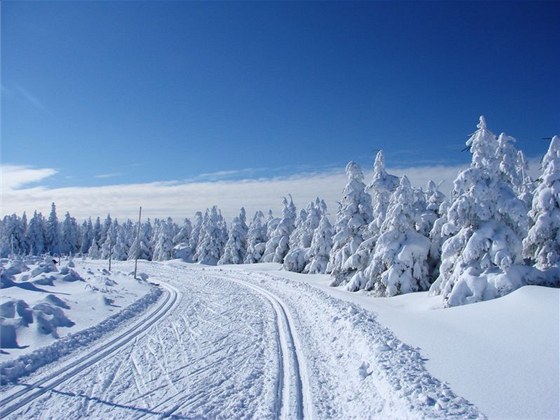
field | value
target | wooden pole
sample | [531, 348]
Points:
[111, 252]
[137, 241]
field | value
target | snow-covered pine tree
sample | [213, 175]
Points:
[36, 234]
[256, 239]
[399, 264]
[235, 250]
[121, 246]
[52, 233]
[318, 253]
[197, 228]
[163, 249]
[213, 237]
[96, 232]
[278, 245]
[140, 247]
[542, 244]
[70, 240]
[380, 188]
[87, 236]
[298, 256]
[108, 246]
[486, 221]
[182, 242]
[353, 216]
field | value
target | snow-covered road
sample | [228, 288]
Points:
[228, 343]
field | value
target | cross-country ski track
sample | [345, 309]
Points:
[224, 342]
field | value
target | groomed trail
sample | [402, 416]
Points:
[230, 343]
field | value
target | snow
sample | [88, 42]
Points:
[258, 341]
[501, 355]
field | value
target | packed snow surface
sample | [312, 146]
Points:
[254, 341]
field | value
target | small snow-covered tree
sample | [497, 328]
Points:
[108, 246]
[298, 256]
[140, 247]
[321, 244]
[278, 245]
[353, 216]
[256, 239]
[70, 240]
[94, 252]
[213, 237]
[399, 264]
[486, 222]
[163, 248]
[197, 228]
[235, 250]
[52, 233]
[542, 244]
[36, 234]
[182, 242]
[121, 245]
[87, 236]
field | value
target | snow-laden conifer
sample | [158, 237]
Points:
[353, 216]
[163, 248]
[70, 240]
[235, 250]
[321, 244]
[486, 222]
[542, 244]
[278, 244]
[213, 237]
[36, 234]
[52, 233]
[399, 262]
[182, 242]
[256, 239]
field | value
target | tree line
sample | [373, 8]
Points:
[498, 230]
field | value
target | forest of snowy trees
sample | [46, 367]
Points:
[498, 231]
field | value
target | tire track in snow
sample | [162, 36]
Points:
[15, 401]
[294, 399]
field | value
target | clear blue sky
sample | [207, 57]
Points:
[154, 91]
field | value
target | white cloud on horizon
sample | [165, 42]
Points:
[180, 199]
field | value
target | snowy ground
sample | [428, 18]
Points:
[238, 341]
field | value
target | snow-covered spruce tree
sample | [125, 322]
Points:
[52, 233]
[380, 188]
[213, 237]
[235, 250]
[195, 236]
[87, 236]
[140, 247]
[400, 261]
[353, 216]
[163, 248]
[36, 234]
[525, 191]
[96, 232]
[297, 257]
[486, 221]
[318, 253]
[108, 246]
[121, 246]
[542, 244]
[12, 236]
[256, 239]
[105, 228]
[278, 245]
[182, 242]
[94, 252]
[70, 240]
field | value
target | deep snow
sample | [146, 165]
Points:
[257, 341]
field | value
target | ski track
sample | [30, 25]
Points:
[239, 344]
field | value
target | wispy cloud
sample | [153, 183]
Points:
[111, 175]
[30, 97]
[180, 199]
[16, 176]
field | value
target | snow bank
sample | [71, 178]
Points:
[12, 370]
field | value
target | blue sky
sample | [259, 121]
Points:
[107, 93]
